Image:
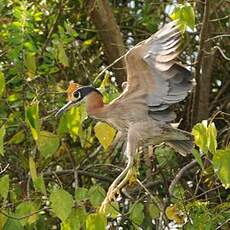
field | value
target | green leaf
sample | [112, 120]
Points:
[32, 166]
[30, 63]
[199, 132]
[2, 134]
[96, 221]
[17, 138]
[96, 195]
[188, 16]
[137, 213]
[39, 185]
[4, 186]
[27, 208]
[185, 15]
[212, 135]
[198, 158]
[112, 209]
[81, 194]
[154, 211]
[105, 134]
[62, 57]
[32, 119]
[13, 224]
[221, 163]
[2, 84]
[74, 119]
[47, 143]
[76, 219]
[61, 203]
[3, 219]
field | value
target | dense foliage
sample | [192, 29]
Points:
[54, 173]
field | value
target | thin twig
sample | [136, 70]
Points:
[180, 174]
[25, 216]
[113, 63]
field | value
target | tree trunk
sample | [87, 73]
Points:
[205, 58]
[103, 18]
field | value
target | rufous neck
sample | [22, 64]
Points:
[94, 103]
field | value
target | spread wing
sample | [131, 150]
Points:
[154, 75]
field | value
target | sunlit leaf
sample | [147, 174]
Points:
[3, 220]
[27, 208]
[221, 165]
[2, 83]
[95, 221]
[199, 132]
[198, 158]
[2, 134]
[185, 15]
[96, 195]
[17, 138]
[61, 203]
[174, 214]
[4, 186]
[76, 219]
[32, 119]
[212, 135]
[137, 213]
[105, 134]
[48, 143]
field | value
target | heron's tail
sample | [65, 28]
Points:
[183, 142]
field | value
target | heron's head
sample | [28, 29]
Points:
[79, 95]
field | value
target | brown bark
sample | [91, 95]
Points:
[103, 18]
[203, 70]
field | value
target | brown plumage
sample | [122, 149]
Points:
[142, 113]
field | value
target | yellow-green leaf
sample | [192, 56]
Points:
[27, 208]
[185, 15]
[4, 186]
[137, 213]
[212, 135]
[17, 138]
[2, 134]
[96, 195]
[32, 119]
[96, 221]
[61, 203]
[199, 132]
[33, 171]
[39, 185]
[174, 214]
[221, 165]
[2, 83]
[198, 158]
[30, 63]
[47, 143]
[105, 134]
[62, 57]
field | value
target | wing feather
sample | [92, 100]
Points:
[153, 72]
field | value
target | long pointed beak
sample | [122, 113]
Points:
[66, 106]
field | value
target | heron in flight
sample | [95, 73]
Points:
[143, 111]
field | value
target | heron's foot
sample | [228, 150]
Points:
[114, 189]
[111, 195]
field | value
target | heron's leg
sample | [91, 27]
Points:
[120, 181]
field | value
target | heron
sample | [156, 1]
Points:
[143, 111]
